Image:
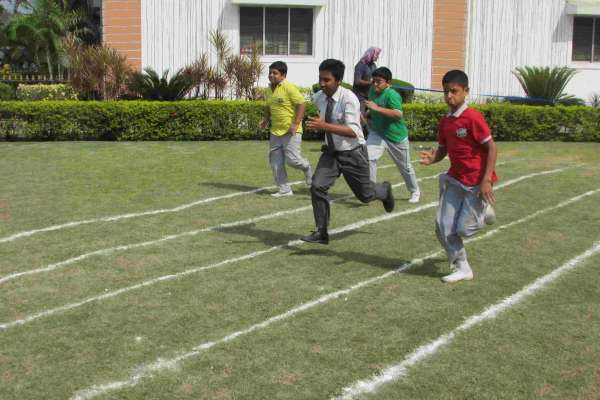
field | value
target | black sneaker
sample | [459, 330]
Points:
[318, 236]
[388, 202]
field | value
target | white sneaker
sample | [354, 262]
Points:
[414, 197]
[489, 216]
[282, 194]
[462, 272]
[308, 176]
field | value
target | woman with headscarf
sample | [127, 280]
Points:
[362, 75]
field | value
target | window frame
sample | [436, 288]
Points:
[595, 44]
[289, 31]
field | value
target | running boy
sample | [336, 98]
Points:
[387, 130]
[345, 152]
[285, 110]
[466, 192]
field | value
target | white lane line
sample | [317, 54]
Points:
[113, 218]
[24, 234]
[104, 296]
[427, 350]
[149, 370]
[169, 277]
[110, 250]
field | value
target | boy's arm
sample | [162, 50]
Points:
[337, 129]
[433, 156]
[299, 114]
[485, 187]
[266, 118]
[347, 129]
[386, 112]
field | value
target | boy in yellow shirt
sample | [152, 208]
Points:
[284, 111]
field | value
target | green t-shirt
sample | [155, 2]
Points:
[394, 130]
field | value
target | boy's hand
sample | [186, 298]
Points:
[263, 124]
[371, 105]
[316, 123]
[427, 157]
[293, 129]
[486, 192]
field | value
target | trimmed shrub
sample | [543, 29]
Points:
[46, 92]
[7, 92]
[405, 89]
[515, 122]
[238, 120]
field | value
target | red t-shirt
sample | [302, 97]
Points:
[464, 137]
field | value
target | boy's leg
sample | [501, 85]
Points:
[400, 153]
[354, 165]
[293, 157]
[471, 218]
[277, 161]
[375, 148]
[449, 209]
[326, 173]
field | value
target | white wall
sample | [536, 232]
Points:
[510, 33]
[174, 33]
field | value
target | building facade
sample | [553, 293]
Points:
[421, 39]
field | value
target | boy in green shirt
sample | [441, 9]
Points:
[387, 130]
[284, 110]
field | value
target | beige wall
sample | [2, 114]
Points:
[449, 38]
[121, 28]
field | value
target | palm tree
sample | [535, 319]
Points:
[41, 31]
[546, 83]
[149, 85]
[19, 3]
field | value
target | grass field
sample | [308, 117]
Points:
[161, 271]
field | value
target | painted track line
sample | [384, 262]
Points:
[428, 350]
[110, 250]
[149, 370]
[150, 282]
[24, 234]
[113, 218]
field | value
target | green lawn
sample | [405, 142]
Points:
[157, 306]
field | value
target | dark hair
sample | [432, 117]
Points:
[456, 76]
[336, 67]
[279, 66]
[383, 72]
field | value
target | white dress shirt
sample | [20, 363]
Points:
[346, 111]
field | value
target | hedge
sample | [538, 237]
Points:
[238, 120]
[58, 91]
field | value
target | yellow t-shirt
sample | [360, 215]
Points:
[282, 103]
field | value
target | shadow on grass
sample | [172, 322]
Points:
[235, 187]
[298, 190]
[429, 268]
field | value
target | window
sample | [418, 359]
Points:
[586, 39]
[276, 30]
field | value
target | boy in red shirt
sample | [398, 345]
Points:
[466, 195]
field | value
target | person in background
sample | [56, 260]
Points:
[387, 131]
[284, 112]
[363, 72]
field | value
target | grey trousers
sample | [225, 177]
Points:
[285, 150]
[400, 153]
[459, 214]
[354, 165]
